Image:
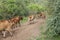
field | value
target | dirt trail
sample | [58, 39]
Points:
[26, 32]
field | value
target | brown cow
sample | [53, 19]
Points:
[17, 19]
[5, 26]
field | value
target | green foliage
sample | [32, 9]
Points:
[25, 19]
[53, 23]
[10, 8]
[34, 8]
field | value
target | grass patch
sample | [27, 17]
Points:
[25, 19]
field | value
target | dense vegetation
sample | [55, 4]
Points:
[11, 8]
[53, 27]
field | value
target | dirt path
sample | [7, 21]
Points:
[26, 32]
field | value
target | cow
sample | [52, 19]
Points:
[31, 19]
[5, 26]
[17, 20]
[41, 15]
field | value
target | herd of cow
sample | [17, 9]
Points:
[7, 25]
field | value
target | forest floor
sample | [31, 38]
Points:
[26, 31]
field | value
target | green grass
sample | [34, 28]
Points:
[25, 19]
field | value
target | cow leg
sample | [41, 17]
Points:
[19, 23]
[10, 31]
[4, 33]
[30, 22]
[15, 25]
